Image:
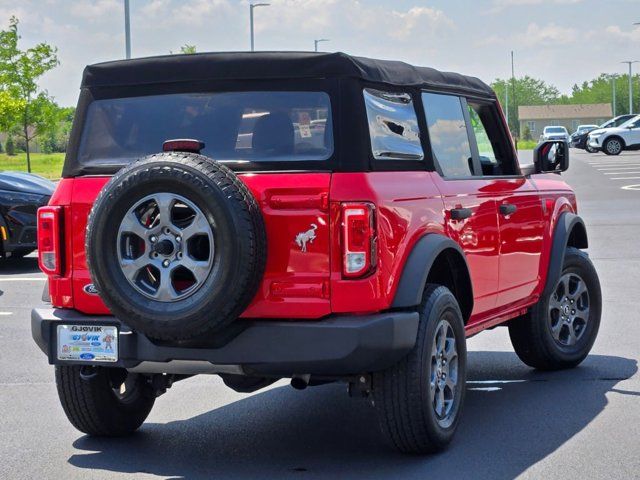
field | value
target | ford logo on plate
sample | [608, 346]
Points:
[90, 289]
[87, 356]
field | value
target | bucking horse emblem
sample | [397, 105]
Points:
[306, 237]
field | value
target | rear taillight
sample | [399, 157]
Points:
[358, 239]
[49, 241]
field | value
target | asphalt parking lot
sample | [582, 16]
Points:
[577, 424]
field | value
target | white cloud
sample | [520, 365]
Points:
[418, 18]
[519, 3]
[547, 35]
[95, 10]
[321, 17]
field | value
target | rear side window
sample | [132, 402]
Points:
[448, 134]
[235, 126]
[393, 126]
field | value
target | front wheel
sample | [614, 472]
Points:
[104, 401]
[419, 400]
[560, 329]
[590, 149]
[612, 146]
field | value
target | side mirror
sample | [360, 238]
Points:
[551, 157]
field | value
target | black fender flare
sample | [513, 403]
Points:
[418, 265]
[568, 227]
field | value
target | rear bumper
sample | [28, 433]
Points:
[335, 346]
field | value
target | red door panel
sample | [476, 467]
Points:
[478, 235]
[521, 239]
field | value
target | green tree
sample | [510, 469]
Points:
[186, 48]
[10, 147]
[30, 111]
[524, 91]
[600, 90]
[56, 139]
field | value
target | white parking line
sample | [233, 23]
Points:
[625, 178]
[5, 314]
[619, 173]
[626, 167]
[631, 187]
[612, 164]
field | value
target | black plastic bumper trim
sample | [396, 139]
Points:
[336, 345]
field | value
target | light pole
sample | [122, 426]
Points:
[316, 42]
[513, 98]
[251, 7]
[127, 30]
[613, 92]
[630, 62]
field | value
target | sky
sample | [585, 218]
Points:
[560, 41]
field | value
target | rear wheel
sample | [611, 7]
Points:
[560, 329]
[104, 401]
[613, 146]
[419, 400]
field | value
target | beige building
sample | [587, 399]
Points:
[536, 117]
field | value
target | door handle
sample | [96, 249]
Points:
[507, 209]
[460, 213]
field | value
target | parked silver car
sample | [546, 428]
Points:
[554, 133]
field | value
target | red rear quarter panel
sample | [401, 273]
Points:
[408, 206]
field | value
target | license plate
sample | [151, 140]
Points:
[88, 343]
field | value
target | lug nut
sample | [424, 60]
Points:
[153, 239]
[178, 238]
[166, 263]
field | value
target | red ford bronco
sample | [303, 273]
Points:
[318, 217]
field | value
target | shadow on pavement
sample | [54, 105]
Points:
[12, 266]
[514, 417]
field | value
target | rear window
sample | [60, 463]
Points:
[235, 126]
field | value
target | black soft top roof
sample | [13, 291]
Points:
[273, 65]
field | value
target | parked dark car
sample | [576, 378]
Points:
[579, 138]
[21, 194]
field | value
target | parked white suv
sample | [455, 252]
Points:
[614, 140]
[554, 133]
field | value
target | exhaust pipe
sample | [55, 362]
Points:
[300, 382]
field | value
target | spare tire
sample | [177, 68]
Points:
[176, 246]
